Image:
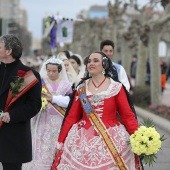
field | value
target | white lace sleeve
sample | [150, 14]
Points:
[60, 100]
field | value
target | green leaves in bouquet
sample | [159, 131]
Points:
[149, 159]
[148, 123]
[162, 138]
[15, 86]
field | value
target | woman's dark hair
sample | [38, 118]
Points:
[85, 61]
[74, 57]
[67, 53]
[12, 42]
[58, 66]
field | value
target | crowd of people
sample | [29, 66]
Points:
[87, 119]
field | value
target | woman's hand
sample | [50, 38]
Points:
[48, 96]
[59, 147]
[56, 152]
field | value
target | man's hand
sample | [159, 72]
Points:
[5, 117]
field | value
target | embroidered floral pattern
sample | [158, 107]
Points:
[89, 151]
[46, 131]
[98, 104]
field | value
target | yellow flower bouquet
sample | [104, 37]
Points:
[44, 100]
[146, 142]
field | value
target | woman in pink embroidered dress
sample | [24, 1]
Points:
[80, 139]
[46, 125]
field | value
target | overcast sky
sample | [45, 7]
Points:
[37, 9]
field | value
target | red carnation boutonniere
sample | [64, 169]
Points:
[17, 83]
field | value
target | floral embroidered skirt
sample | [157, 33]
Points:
[85, 151]
[45, 130]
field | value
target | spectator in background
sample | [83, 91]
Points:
[133, 68]
[78, 65]
[148, 72]
[168, 72]
[68, 53]
[163, 80]
[72, 75]
[163, 66]
[107, 47]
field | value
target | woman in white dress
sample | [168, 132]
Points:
[78, 65]
[72, 76]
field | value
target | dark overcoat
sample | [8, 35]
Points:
[15, 136]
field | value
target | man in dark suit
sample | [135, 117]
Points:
[18, 104]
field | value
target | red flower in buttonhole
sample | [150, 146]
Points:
[21, 73]
[17, 83]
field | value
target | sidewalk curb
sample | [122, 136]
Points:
[158, 121]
